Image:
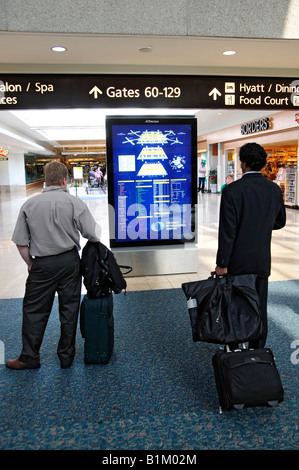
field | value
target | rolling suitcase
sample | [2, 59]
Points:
[97, 328]
[246, 377]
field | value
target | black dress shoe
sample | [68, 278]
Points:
[16, 364]
[66, 364]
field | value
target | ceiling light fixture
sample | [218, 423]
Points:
[24, 140]
[58, 49]
[229, 52]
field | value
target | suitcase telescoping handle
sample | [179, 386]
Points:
[227, 348]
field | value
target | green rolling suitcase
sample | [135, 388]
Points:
[97, 328]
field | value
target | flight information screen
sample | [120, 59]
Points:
[152, 180]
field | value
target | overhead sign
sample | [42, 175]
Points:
[171, 91]
[78, 172]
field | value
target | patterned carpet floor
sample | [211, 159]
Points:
[156, 393]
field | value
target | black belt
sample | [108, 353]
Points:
[57, 254]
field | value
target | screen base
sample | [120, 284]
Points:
[158, 260]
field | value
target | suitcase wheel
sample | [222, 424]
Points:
[240, 406]
[272, 402]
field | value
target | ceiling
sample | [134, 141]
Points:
[48, 131]
[90, 53]
[82, 131]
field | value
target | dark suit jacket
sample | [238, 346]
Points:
[250, 209]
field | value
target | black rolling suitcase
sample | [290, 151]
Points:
[246, 377]
[97, 328]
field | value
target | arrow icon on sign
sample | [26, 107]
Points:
[215, 92]
[95, 91]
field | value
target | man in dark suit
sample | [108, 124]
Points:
[250, 209]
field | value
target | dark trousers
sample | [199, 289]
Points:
[48, 275]
[262, 290]
[201, 184]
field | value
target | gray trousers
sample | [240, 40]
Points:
[48, 275]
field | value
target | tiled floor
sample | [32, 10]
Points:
[285, 245]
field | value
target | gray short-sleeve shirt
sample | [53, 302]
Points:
[51, 222]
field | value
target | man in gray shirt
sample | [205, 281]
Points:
[47, 235]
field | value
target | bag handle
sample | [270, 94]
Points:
[214, 274]
[129, 268]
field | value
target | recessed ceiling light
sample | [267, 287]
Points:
[229, 52]
[146, 49]
[58, 49]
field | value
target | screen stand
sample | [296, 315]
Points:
[158, 260]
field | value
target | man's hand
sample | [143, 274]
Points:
[25, 253]
[220, 271]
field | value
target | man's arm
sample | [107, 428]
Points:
[86, 223]
[226, 233]
[281, 217]
[25, 253]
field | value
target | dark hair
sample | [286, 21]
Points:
[253, 155]
[55, 172]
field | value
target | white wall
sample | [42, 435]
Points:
[12, 171]
[17, 169]
[4, 174]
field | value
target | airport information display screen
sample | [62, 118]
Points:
[152, 180]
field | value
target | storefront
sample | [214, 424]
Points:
[282, 167]
[34, 166]
[278, 133]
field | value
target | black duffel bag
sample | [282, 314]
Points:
[224, 309]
